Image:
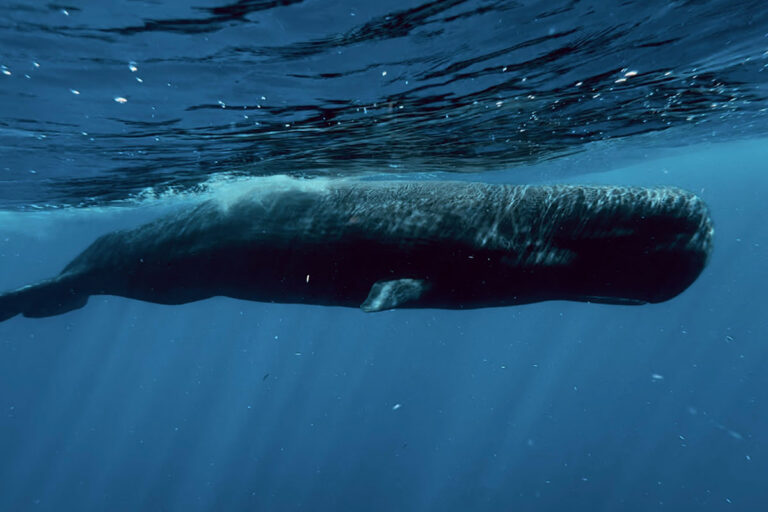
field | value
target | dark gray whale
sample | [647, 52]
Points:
[383, 245]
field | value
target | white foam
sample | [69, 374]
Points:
[227, 192]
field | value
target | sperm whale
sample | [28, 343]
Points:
[384, 245]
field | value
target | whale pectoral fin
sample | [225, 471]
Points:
[393, 294]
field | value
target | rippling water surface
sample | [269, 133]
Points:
[103, 100]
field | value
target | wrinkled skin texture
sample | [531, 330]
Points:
[426, 244]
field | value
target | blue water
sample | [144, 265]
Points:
[230, 405]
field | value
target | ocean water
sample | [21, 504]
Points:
[112, 113]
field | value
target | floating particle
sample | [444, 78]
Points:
[120, 99]
[383, 73]
[74, 91]
[656, 376]
[133, 67]
[396, 407]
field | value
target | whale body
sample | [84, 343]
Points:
[385, 245]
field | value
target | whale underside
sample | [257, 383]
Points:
[384, 245]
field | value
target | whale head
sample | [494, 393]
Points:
[628, 245]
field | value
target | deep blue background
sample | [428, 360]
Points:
[225, 406]
[228, 405]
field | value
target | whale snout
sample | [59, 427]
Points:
[678, 247]
[637, 245]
